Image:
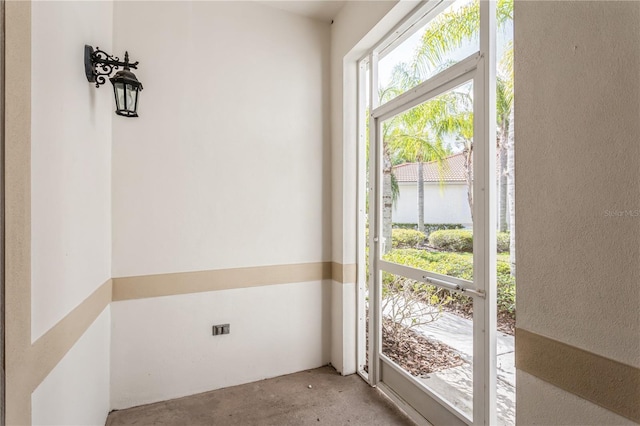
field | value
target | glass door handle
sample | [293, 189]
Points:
[441, 283]
[454, 287]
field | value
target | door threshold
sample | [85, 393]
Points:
[401, 404]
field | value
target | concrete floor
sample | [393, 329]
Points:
[287, 400]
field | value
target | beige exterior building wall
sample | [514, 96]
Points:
[577, 86]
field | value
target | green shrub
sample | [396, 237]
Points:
[507, 293]
[462, 240]
[404, 225]
[452, 240]
[406, 238]
[502, 242]
[452, 264]
[458, 265]
[428, 227]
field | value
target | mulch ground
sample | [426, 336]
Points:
[506, 324]
[417, 354]
[420, 356]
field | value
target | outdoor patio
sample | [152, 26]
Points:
[455, 384]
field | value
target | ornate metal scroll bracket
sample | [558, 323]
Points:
[98, 64]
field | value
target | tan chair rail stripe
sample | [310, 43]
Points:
[220, 279]
[51, 347]
[344, 274]
[603, 381]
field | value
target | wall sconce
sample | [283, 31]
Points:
[126, 87]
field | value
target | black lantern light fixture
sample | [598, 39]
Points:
[98, 65]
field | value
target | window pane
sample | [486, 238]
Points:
[443, 41]
[428, 341]
[366, 285]
[427, 181]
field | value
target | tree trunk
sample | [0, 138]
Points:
[502, 179]
[387, 202]
[511, 195]
[420, 196]
[468, 168]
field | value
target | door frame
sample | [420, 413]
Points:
[481, 69]
[2, 224]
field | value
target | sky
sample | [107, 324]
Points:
[405, 51]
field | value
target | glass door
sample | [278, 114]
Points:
[430, 226]
[427, 290]
[428, 299]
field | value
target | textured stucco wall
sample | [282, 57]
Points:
[76, 392]
[356, 28]
[229, 167]
[577, 68]
[70, 213]
[71, 160]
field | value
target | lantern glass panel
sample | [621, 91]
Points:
[120, 95]
[131, 96]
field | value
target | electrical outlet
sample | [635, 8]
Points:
[221, 329]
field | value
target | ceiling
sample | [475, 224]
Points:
[323, 10]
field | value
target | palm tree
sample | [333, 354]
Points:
[448, 32]
[506, 66]
[389, 196]
[418, 135]
[504, 105]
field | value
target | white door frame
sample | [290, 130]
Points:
[480, 68]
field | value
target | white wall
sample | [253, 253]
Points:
[76, 392]
[577, 157]
[352, 24]
[71, 160]
[228, 164]
[357, 27]
[226, 167]
[446, 204]
[163, 348]
[70, 203]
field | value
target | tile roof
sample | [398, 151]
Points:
[451, 169]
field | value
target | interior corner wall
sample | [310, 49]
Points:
[577, 192]
[226, 170]
[70, 198]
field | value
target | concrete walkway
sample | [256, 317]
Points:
[455, 384]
